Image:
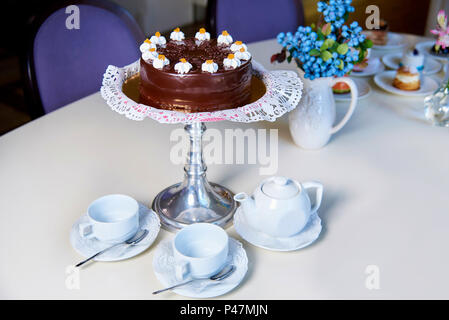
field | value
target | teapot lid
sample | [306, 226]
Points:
[280, 188]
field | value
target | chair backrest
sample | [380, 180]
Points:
[67, 64]
[255, 20]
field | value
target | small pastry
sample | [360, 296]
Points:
[360, 67]
[413, 59]
[380, 36]
[341, 88]
[407, 79]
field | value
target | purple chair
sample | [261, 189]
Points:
[64, 65]
[254, 20]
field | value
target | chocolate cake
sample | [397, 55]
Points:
[194, 74]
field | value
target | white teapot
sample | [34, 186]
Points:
[280, 207]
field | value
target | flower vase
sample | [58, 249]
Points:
[312, 122]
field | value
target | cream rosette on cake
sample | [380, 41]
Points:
[150, 54]
[209, 66]
[177, 35]
[183, 66]
[224, 38]
[236, 46]
[202, 35]
[231, 62]
[147, 45]
[158, 39]
[242, 54]
[160, 62]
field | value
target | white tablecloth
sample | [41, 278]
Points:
[386, 178]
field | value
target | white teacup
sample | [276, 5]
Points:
[200, 250]
[113, 218]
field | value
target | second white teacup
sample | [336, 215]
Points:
[112, 218]
[200, 250]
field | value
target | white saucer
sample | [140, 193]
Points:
[306, 237]
[163, 266]
[363, 87]
[426, 48]
[431, 65]
[385, 81]
[395, 41]
[148, 220]
[374, 67]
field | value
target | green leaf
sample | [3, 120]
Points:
[335, 46]
[326, 55]
[313, 26]
[343, 48]
[314, 52]
[324, 47]
[289, 58]
[320, 35]
[368, 43]
[329, 42]
[341, 65]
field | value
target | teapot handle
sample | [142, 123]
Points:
[319, 193]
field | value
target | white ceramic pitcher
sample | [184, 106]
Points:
[312, 122]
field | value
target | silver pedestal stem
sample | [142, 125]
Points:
[195, 168]
[194, 200]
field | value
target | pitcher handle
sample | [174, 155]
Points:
[354, 98]
[319, 193]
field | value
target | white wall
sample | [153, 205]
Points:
[159, 15]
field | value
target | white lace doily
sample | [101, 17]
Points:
[164, 262]
[148, 220]
[306, 237]
[283, 93]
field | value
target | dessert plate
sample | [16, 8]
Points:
[395, 41]
[148, 220]
[163, 266]
[363, 87]
[431, 65]
[374, 67]
[306, 237]
[385, 81]
[426, 47]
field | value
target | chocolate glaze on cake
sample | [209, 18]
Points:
[195, 91]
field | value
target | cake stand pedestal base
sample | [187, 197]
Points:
[194, 200]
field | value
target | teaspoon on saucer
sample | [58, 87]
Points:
[138, 237]
[223, 274]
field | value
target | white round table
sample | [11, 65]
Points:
[385, 209]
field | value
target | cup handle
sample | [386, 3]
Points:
[181, 270]
[354, 98]
[85, 230]
[319, 193]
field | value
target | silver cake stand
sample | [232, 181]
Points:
[195, 199]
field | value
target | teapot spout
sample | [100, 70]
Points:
[246, 201]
